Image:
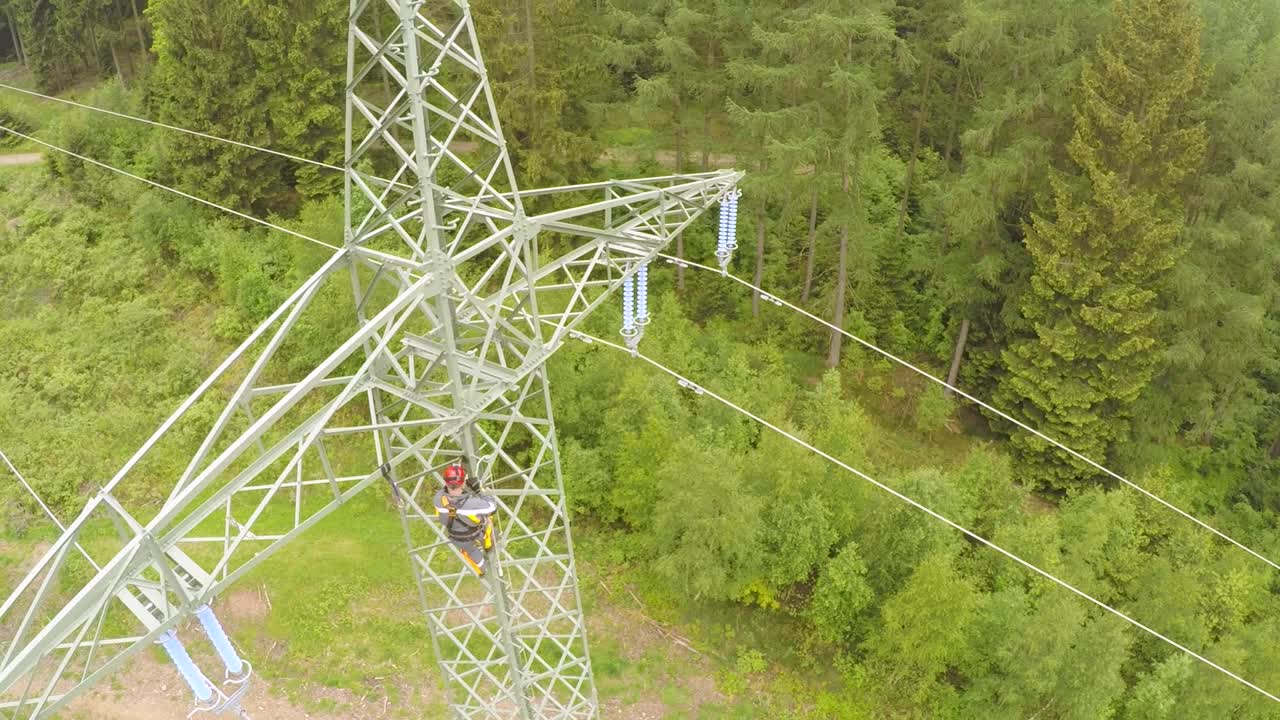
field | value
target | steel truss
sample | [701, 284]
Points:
[457, 295]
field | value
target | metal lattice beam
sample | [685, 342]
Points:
[456, 296]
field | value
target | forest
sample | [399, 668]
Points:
[1068, 208]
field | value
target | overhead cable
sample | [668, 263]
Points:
[161, 186]
[167, 126]
[685, 382]
[769, 297]
[702, 391]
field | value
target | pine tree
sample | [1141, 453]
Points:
[670, 54]
[543, 65]
[835, 66]
[269, 75]
[1108, 236]
[774, 130]
[1006, 112]
[1224, 353]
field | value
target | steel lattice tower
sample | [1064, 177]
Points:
[457, 296]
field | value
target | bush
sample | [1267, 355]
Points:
[933, 409]
[10, 120]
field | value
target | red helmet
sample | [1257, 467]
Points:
[455, 475]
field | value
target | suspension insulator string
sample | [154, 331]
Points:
[727, 238]
[733, 220]
[642, 295]
[629, 331]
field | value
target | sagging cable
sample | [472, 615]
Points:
[686, 383]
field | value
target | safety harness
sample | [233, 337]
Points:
[456, 531]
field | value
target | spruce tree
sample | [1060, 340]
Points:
[544, 68]
[269, 75]
[1107, 237]
[1224, 359]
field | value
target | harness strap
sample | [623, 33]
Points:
[468, 533]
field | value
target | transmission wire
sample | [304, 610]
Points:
[919, 506]
[167, 126]
[771, 297]
[196, 133]
[155, 184]
[724, 401]
[924, 373]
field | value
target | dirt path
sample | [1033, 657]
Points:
[21, 159]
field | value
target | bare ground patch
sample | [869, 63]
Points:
[151, 690]
[21, 159]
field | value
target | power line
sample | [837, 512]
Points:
[685, 382]
[924, 373]
[773, 298]
[175, 128]
[688, 383]
[155, 184]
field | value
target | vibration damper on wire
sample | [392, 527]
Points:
[689, 385]
[771, 299]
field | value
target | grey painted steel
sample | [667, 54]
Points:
[457, 294]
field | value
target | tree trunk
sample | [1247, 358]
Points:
[97, 54]
[956, 356]
[680, 268]
[680, 149]
[382, 71]
[142, 38]
[680, 137]
[115, 61]
[955, 112]
[706, 140]
[531, 58]
[17, 44]
[759, 276]
[915, 149]
[842, 279]
[706, 118]
[813, 240]
[1275, 449]
[377, 28]
[680, 163]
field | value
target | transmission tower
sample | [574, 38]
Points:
[457, 295]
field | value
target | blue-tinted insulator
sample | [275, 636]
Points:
[727, 240]
[642, 295]
[722, 235]
[220, 641]
[731, 232]
[629, 306]
[178, 654]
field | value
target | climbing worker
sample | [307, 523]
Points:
[467, 517]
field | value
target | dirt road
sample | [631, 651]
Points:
[22, 159]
